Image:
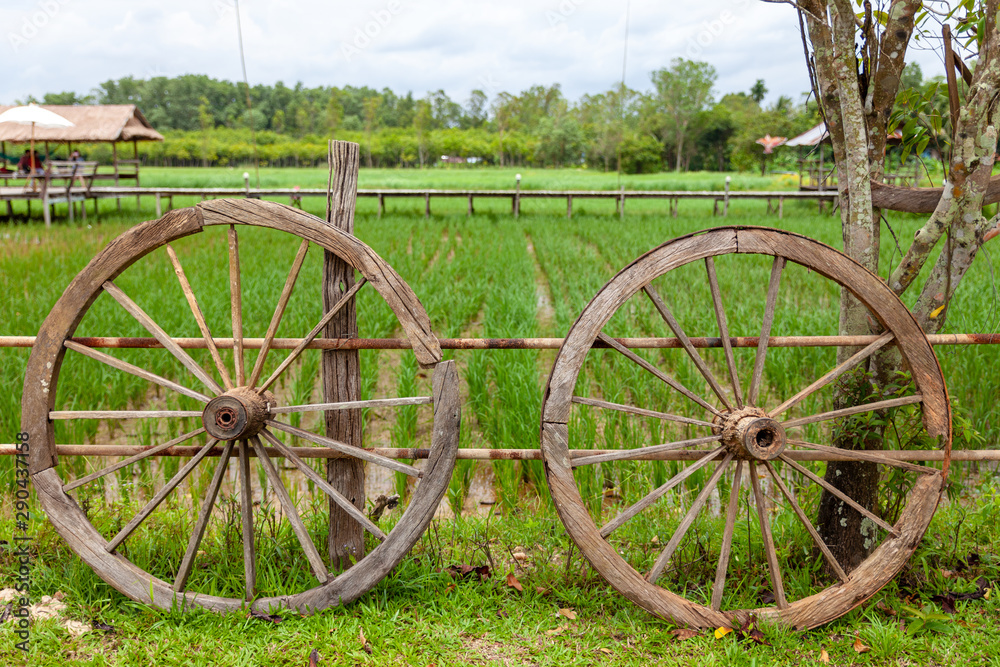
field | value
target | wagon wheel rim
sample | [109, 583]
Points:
[239, 419]
[743, 436]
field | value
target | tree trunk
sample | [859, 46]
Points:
[680, 147]
[844, 529]
[856, 103]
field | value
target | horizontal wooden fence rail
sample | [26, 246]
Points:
[295, 196]
[504, 343]
[930, 455]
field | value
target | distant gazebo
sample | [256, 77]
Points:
[814, 174]
[105, 123]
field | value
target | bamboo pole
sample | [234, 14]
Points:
[502, 343]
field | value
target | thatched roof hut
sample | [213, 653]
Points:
[91, 123]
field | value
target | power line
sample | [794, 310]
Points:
[246, 82]
[621, 93]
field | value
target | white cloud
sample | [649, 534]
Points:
[412, 45]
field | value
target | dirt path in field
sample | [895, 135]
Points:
[545, 314]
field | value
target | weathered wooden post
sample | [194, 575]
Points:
[725, 204]
[342, 368]
[517, 196]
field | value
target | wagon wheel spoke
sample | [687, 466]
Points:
[765, 330]
[804, 520]
[864, 455]
[658, 492]
[323, 485]
[184, 571]
[856, 410]
[765, 530]
[692, 514]
[155, 501]
[246, 516]
[675, 326]
[165, 340]
[727, 538]
[236, 305]
[199, 318]
[834, 373]
[720, 319]
[344, 300]
[611, 342]
[642, 452]
[292, 514]
[840, 494]
[132, 459]
[582, 400]
[279, 312]
[123, 414]
[135, 370]
[353, 405]
[344, 448]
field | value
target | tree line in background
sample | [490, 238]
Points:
[676, 124]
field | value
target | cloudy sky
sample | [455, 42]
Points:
[405, 45]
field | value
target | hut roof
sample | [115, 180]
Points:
[818, 134]
[91, 123]
[810, 137]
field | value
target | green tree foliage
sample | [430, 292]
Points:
[206, 122]
[680, 94]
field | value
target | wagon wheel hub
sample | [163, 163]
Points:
[750, 434]
[238, 414]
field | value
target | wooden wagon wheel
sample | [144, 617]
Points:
[736, 422]
[236, 418]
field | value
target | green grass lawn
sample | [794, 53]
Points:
[420, 615]
[479, 276]
[486, 178]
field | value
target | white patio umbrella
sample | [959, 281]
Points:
[33, 115]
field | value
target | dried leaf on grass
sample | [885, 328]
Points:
[314, 658]
[568, 613]
[261, 616]
[824, 656]
[749, 631]
[682, 634]
[365, 646]
[948, 600]
[514, 583]
[557, 631]
[76, 628]
[860, 647]
[465, 571]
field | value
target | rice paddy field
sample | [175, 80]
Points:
[489, 275]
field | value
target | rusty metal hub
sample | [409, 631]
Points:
[238, 414]
[750, 434]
